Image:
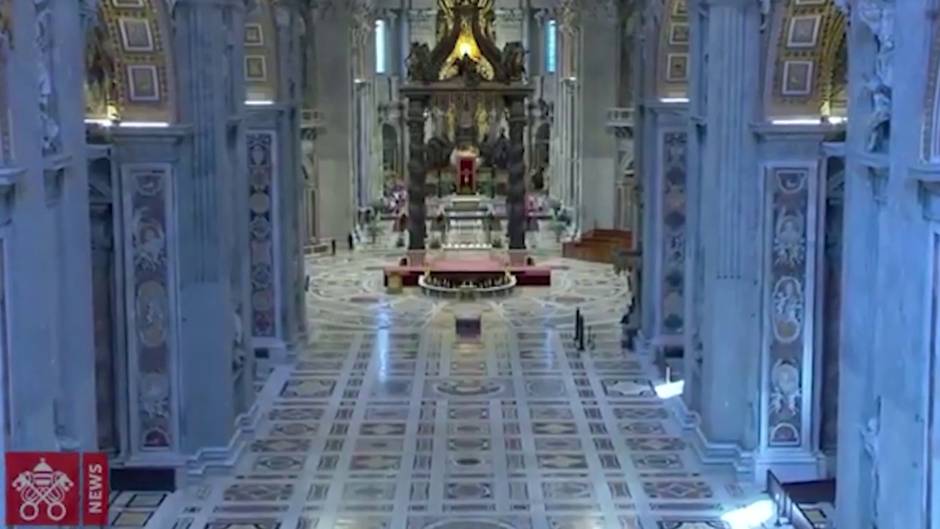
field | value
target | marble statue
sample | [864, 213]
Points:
[879, 17]
[363, 22]
[48, 111]
[870, 434]
[238, 342]
[418, 62]
[100, 70]
[879, 122]
[513, 61]
[568, 17]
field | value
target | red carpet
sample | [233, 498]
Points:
[471, 268]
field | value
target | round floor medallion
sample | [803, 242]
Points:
[468, 388]
[469, 524]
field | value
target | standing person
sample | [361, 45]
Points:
[349, 238]
[333, 246]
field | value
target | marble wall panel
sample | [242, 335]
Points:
[673, 221]
[788, 303]
[262, 233]
[150, 259]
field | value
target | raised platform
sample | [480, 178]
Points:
[460, 269]
[598, 246]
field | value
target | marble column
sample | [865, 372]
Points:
[335, 99]
[417, 173]
[598, 80]
[729, 194]
[203, 404]
[515, 199]
[288, 19]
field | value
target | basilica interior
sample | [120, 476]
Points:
[476, 264]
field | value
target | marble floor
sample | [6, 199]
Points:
[387, 421]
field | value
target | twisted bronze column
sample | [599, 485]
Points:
[417, 172]
[515, 200]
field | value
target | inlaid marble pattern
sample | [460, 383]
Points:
[387, 421]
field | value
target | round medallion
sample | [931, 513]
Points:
[468, 388]
[260, 228]
[786, 378]
[151, 313]
[262, 300]
[469, 524]
[260, 203]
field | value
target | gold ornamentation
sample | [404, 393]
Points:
[101, 80]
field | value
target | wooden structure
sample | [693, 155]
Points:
[599, 246]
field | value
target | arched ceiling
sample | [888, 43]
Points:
[806, 60]
[261, 66]
[672, 80]
[129, 62]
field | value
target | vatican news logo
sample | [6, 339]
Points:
[56, 488]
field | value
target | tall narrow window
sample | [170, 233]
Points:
[551, 47]
[380, 51]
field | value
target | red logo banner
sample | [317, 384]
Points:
[56, 488]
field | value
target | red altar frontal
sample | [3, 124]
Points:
[467, 173]
[471, 269]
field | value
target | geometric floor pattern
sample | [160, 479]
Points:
[387, 421]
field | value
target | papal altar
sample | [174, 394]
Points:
[478, 94]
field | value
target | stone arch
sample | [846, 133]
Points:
[129, 62]
[806, 60]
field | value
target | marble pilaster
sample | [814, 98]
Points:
[730, 412]
[792, 188]
[599, 49]
[207, 203]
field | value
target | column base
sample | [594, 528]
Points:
[711, 453]
[790, 465]
[277, 351]
[212, 461]
[416, 257]
[518, 257]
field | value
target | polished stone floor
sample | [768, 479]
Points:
[387, 421]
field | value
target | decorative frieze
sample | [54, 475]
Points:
[151, 308]
[673, 226]
[262, 232]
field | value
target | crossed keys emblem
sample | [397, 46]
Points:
[42, 485]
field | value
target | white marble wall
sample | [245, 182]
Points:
[47, 339]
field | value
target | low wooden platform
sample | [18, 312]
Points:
[459, 270]
[802, 504]
[598, 246]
